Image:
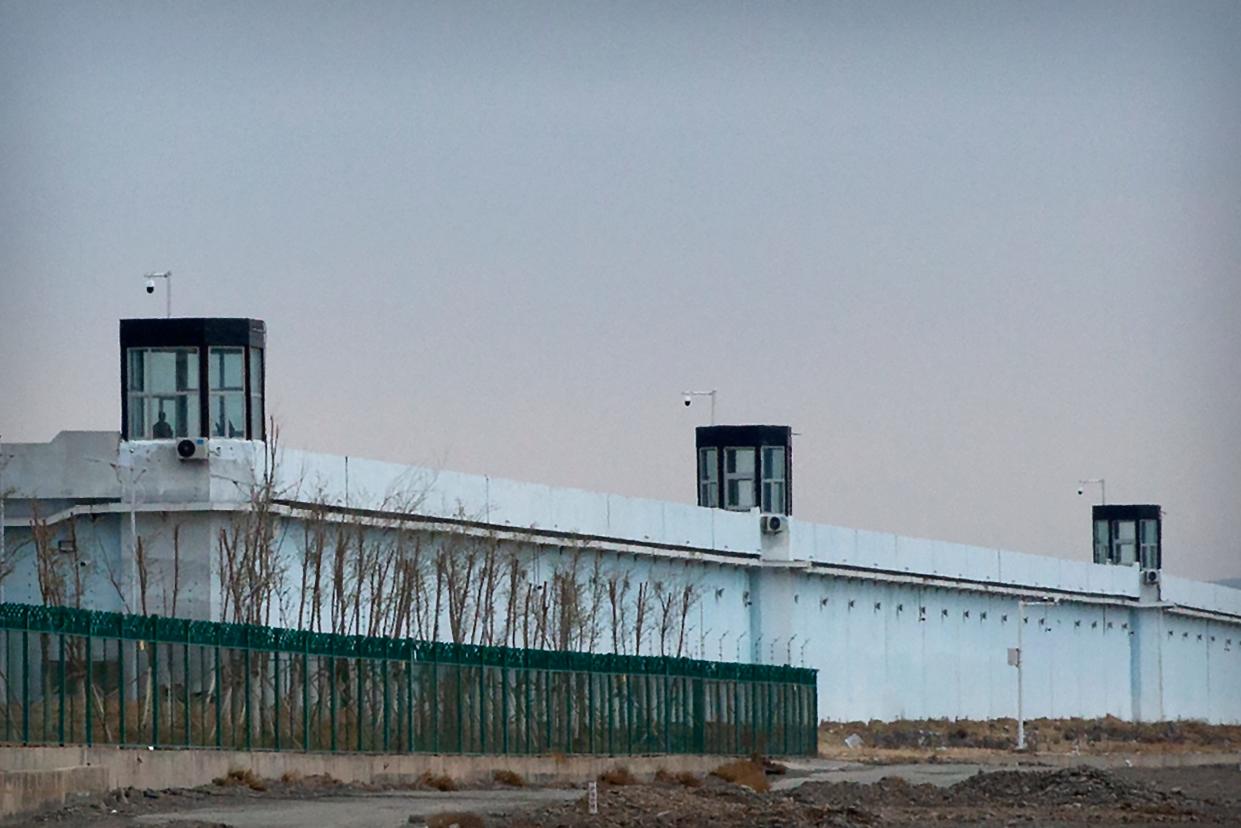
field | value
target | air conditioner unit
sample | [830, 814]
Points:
[1150, 576]
[774, 524]
[192, 448]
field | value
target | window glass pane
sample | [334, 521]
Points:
[161, 371]
[235, 412]
[707, 463]
[187, 369]
[137, 417]
[162, 413]
[1125, 542]
[136, 363]
[773, 497]
[746, 495]
[1100, 541]
[773, 463]
[740, 460]
[256, 371]
[1148, 531]
[256, 418]
[226, 369]
[228, 415]
[708, 495]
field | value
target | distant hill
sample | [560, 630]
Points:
[1235, 583]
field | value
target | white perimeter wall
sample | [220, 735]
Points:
[897, 627]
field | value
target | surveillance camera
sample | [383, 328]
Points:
[150, 285]
[1079, 489]
[688, 399]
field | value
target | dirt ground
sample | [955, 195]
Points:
[1077, 796]
[904, 773]
[977, 795]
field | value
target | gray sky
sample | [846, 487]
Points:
[972, 252]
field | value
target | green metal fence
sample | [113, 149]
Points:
[72, 676]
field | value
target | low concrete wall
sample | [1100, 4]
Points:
[40, 777]
[27, 790]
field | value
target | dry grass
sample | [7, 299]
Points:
[743, 772]
[440, 782]
[684, 778]
[291, 777]
[241, 776]
[618, 775]
[461, 819]
[508, 777]
[914, 740]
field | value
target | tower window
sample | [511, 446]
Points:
[256, 394]
[227, 379]
[773, 479]
[1124, 543]
[739, 478]
[163, 393]
[1100, 542]
[708, 477]
[1149, 543]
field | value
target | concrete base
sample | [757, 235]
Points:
[40, 777]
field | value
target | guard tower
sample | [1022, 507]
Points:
[1128, 535]
[192, 379]
[742, 467]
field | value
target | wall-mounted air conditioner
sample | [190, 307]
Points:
[774, 524]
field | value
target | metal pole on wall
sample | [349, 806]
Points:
[167, 277]
[1021, 721]
[1018, 659]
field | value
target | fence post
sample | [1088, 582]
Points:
[60, 712]
[306, 692]
[547, 703]
[482, 704]
[245, 664]
[590, 707]
[154, 681]
[219, 683]
[386, 718]
[409, 701]
[276, 698]
[504, 702]
[667, 709]
[526, 678]
[435, 701]
[185, 672]
[460, 706]
[332, 686]
[611, 694]
[90, 681]
[26, 676]
[360, 706]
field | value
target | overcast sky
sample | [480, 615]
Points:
[971, 253]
